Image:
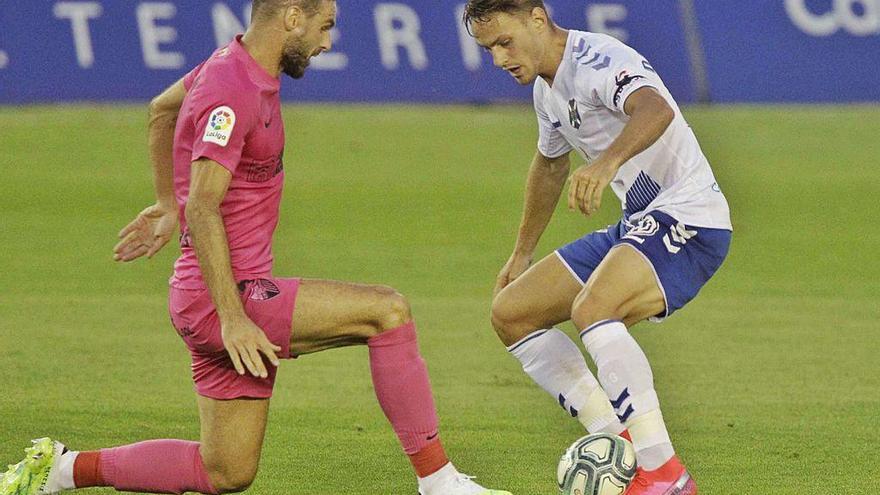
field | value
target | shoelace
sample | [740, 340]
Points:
[463, 478]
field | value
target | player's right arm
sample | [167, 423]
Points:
[244, 340]
[154, 226]
[544, 185]
[547, 176]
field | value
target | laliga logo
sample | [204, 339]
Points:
[221, 120]
[857, 17]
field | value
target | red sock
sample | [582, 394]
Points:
[430, 459]
[87, 470]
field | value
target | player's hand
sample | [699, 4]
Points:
[245, 341]
[515, 266]
[147, 233]
[587, 184]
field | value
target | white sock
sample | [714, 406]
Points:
[626, 375]
[62, 477]
[556, 364]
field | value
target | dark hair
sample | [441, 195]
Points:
[264, 8]
[480, 10]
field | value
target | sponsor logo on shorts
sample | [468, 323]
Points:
[677, 237]
[220, 126]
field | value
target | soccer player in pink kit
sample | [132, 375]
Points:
[220, 172]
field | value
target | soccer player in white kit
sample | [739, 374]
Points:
[598, 97]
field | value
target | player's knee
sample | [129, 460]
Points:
[509, 320]
[395, 312]
[229, 476]
[233, 482]
[591, 306]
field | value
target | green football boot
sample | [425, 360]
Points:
[33, 475]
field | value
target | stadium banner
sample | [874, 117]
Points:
[791, 50]
[404, 50]
[418, 50]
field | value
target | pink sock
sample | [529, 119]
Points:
[402, 387]
[156, 466]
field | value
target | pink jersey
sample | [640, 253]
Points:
[232, 115]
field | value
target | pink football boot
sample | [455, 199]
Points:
[669, 479]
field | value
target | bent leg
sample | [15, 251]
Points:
[154, 466]
[225, 461]
[623, 287]
[333, 314]
[232, 434]
[523, 315]
[623, 290]
[540, 298]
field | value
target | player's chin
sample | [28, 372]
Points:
[524, 79]
[297, 72]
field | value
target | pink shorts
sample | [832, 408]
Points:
[269, 302]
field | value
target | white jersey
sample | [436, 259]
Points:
[583, 110]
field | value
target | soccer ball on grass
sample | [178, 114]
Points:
[600, 464]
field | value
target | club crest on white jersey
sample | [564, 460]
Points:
[220, 126]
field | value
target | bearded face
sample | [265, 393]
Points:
[295, 59]
[309, 40]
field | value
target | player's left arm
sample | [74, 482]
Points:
[650, 116]
[153, 227]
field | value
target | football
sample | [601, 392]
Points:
[599, 464]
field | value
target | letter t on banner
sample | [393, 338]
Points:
[79, 14]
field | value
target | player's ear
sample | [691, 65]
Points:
[539, 18]
[294, 17]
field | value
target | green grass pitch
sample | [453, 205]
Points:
[769, 379]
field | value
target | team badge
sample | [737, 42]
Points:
[264, 289]
[220, 126]
[574, 116]
[646, 227]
